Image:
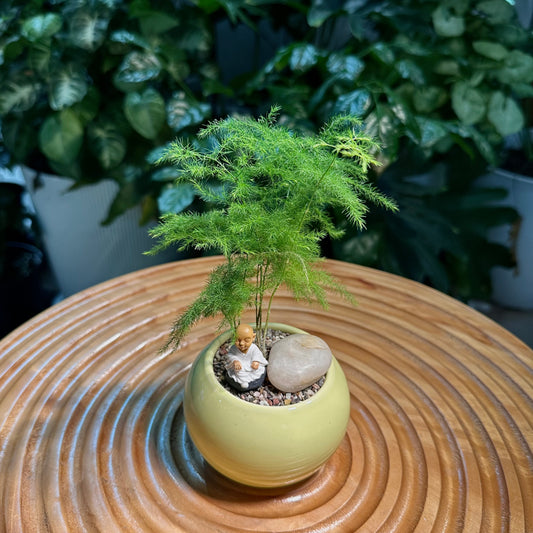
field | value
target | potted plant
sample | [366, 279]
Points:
[272, 190]
[440, 84]
[513, 287]
[89, 94]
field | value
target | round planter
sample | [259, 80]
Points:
[513, 288]
[258, 445]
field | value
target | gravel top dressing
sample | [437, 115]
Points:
[266, 394]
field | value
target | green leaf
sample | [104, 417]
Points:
[41, 26]
[175, 60]
[447, 67]
[61, 136]
[446, 23]
[402, 110]
[518, 68]
[431, 132]
[523, 90]
[183, 112]
[67, 85]
[127, 37]
[154, 155]
[496, 11]
[39, 56]
[491, 50]
[412, 47]
[383, 52]
[468, 103]
[87, 29]
[409, 70]
[428, 98]
[357, 103]
[157, 22]
[107, 144]
[19, 93]
[346, 68]
[145, 112]
[138, 67]
[482, 143]
[195, 38]
[504, 114]
[321, 10]
[381, 123]
[165, 174]
[11, 48]
[303, 57]
[88, 108]
[18, 136]
[175, 198]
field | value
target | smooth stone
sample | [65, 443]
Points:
[297, 361]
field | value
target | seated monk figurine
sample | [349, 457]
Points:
[245, 364]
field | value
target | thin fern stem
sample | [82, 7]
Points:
[270, 300]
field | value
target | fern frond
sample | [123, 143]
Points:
[274, 191]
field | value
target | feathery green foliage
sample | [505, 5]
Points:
[271, 210]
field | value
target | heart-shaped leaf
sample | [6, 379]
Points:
[446, 23]
[138, 67]
[61, 136]
[176, 198]
[182, 112]
[357, 103]
[145, 112]
[87, 29]
[303, 57]
[18, 93]
[107, 144]
[67, 85]
[468, 103]
[41, 26]
[345, 67]
[504, 114]
[518, 68]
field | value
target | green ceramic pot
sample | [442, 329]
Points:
[258, 445]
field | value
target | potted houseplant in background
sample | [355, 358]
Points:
[272, 189]
[513, 287]
[89, 93]
[440, 84]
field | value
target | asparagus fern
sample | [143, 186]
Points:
[271, 209]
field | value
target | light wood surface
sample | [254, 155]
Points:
[92, 436]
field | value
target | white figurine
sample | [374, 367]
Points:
[245, 364]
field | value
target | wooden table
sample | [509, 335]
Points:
[92, 436]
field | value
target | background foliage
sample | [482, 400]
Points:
[97, 89]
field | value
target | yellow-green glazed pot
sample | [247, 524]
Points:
[258, 445]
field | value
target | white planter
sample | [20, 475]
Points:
[514, 287]
[81, 251]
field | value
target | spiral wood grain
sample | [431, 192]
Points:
[92, 436]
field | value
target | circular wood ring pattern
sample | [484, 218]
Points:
[92, 436]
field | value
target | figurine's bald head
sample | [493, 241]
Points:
[245, 337]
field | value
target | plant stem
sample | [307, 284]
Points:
[270, 305]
